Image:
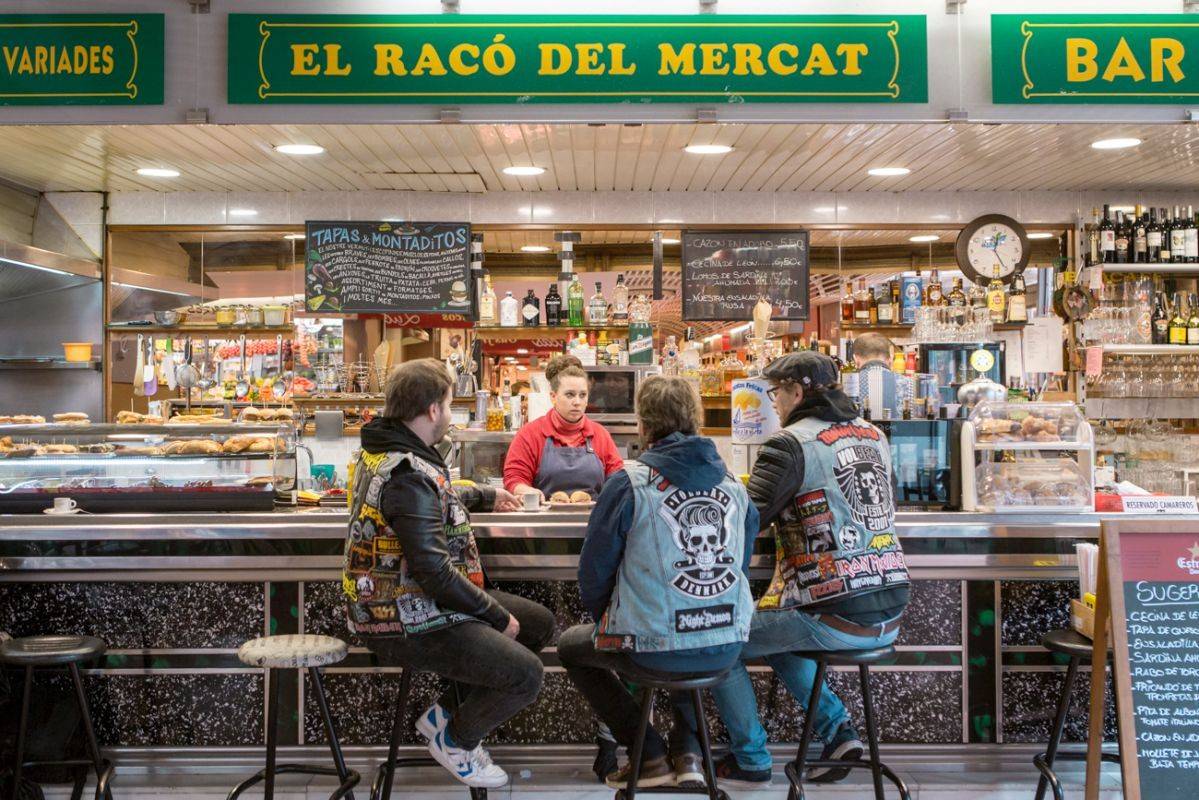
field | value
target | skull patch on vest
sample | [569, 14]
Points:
[866, 485]
[697, 520]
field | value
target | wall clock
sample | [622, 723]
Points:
[989, 241]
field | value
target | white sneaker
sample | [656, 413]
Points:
[472, 767]
[433, 720]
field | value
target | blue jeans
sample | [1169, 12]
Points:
[773, 635]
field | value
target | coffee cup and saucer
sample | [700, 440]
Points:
[63, 507]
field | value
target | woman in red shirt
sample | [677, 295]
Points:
[562, 451]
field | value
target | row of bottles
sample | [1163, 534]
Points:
[1176, 322]
[895, 301]
[1143, 236]
[574, 312]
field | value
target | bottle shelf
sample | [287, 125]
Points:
[854, 326]
[1153, 269]
[531, 331]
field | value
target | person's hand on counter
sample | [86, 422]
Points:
[506, 501]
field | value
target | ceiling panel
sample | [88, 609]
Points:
[579, 157]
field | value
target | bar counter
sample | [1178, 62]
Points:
[175, 595]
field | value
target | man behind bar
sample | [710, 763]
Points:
[879, 387]
[840, 581]
[414, 584]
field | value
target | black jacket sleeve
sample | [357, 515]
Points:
[412, 508]
[776, 477]
[476, 498]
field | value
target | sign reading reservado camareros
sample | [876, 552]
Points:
[576, 59]
[1067, 58]
[81, 59]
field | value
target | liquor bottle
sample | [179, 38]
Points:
[1121, 238]
[1153, 239]
[873, 307]
[1178, 237]
[1140, 232]
[574, 302]
[886, 306]
[553, 306]
[1164, 255]
[977, 297]
[508, 312]
[1161, 319]
[597, 309]
[1091, 231]
[847, 310]
[487, 303]
[813, 342]
[690, 360]
[934, 293]
[530, 309]
[620, 302]
[1017, 303]
[1191, 237]
[1193, 322]
[1178, 322]
[731, 367]
[896, 307]
[996, 297]
[861, 304]
[1107, 237]
[601, 349]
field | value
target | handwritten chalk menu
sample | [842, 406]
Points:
[724, 274]
[1160, 576]
[382, 267]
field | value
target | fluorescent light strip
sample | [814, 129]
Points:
[38, 267]
[148, 289]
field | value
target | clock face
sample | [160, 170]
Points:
[992, 241]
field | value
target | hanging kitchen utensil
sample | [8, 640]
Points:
[279, 388]
[139, 368]
[242, 390]
[187, 374]
[151, 369]
[206, 369]
[170, 365]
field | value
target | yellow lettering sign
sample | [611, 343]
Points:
[332, 53]
[429, 62]
[458, 60]
[1080, 60]
[1123, 64]
[676, 62]
[303, 59]
[389, 60]
[775, 59]
[1165, 56]
[618, 66]
[747, 59]
[589, 59]
[819, 61]
[556, 59]
[712, 59]
[851, 53]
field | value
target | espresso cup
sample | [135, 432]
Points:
[64, 505]
[531, 500]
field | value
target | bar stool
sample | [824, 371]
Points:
[862, 659]
[55, 651]
[693, 685]
[385, 774]
[1078, 649]
[296, 651]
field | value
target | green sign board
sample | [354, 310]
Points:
[576, 59]
[81, 59]
[1097, 59]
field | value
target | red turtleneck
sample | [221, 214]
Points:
[524, 454]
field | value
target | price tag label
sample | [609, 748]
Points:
[1095, 274]
[1094, 362]
[1160, 505]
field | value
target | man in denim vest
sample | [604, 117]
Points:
[840, 581]
[664, 570]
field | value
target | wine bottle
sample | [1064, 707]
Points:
[1121, 238]
[1178, 238]
[873, 307]
[1167, 237]
[847, 310]
[1178, 322]
[1017, 303]
[1161, 319]
[1140, 241]
[1193, 321]
[1190, 237]
[1153, 239]
[1091, 230]
[1107, 237]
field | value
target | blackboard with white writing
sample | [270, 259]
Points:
[388, 267]
[725, 273]
[1161, 617]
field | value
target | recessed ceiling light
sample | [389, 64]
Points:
[670, 241]
[1115, 144]
[522, 351]
[924, 237]
[535, 248]
[293, 236]
[243, 212]
[158, 172]
[523, 171]
[1042, 235]
[887, 172]
[708, 149]
[299, 149]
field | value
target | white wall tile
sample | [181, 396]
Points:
[975, 204]
[868, 207]
[631, 208]
[927, 207]
[439, 207]
[567, 208]
[503, 207]
[198, 208]
[92, 236]
[684, 208]
[742, 207]
[1049, 206]
[380, 205]
[77, 208]
[806, 207]
[137, 208]
[271, 207]
[303, 206]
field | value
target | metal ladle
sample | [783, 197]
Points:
[278, 388]
[243, 385]
[186, 374]
[206, 376]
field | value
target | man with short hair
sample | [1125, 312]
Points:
[879, 388]
[414, 584]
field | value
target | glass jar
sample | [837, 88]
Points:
[226, 316]
[254, 316]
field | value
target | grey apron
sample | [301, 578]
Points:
[568, 469]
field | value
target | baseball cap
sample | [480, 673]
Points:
[807, 368]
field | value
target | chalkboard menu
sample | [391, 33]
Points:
[725, 273]
[381, 267]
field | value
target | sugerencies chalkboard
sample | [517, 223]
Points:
[382, 267]
[725, 272]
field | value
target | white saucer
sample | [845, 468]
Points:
[54, 513]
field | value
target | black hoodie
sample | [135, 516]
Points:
[412, 507]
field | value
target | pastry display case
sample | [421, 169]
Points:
[1020, 456]
[213, 466]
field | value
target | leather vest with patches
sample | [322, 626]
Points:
[836, 538]
[382, 598]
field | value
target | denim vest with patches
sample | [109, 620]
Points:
[680, 584]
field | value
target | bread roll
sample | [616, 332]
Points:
[237, 444]
[579, 496]
[559, 497]
[59, 449]
[263, 444]
[72, 417]
[28, 419]
[193, 447]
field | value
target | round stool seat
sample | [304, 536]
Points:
[34, 651]
[681, 682]
[849, 658]
[292, 651]
[1071, 643]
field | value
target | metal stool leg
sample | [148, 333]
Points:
[272, 719]
[22, 730]
[705, 746]
[383, 779]
[871, 732]
[89, 732]
[795, 769]
[647, 705]
[339, 761]
[1044, 763]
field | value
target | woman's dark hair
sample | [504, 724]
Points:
[563, 366]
